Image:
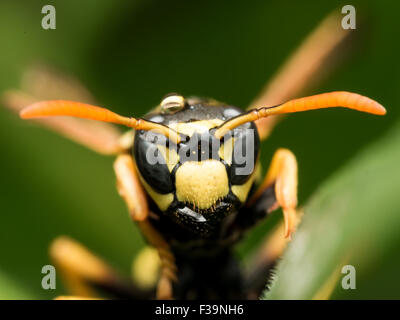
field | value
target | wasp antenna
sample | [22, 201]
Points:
[320, 101]
[83, 110]
[327, 100]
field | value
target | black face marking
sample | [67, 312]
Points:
[151, 163]
[245, 153]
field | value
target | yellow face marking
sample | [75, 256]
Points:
[226, 151]
[188, 128]
[201, 183]
[241, 191]
[162, 200]
[170, 155]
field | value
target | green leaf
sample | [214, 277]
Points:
[352, 219]
[11, 289]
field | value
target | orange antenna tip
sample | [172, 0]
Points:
[28, 112]
[320, 101]
[86, 111]
[70, 108]
[379, 109]
[328, 100]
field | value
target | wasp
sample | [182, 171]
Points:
[190, 175]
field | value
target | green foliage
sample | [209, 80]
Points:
[12, 289]
[130, 54]
[352, 219]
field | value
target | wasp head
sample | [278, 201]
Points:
[202, 180]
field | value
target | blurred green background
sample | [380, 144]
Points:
[130, 54]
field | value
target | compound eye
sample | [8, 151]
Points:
[245, 152]
[151, 164]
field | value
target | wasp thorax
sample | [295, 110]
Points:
[172, 103]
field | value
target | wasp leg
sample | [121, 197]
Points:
[167, 258]
[131, 191]
[282, 173]
[146, 268]
[86, 275]
[282, 177]
[301, 70]
[129, 187]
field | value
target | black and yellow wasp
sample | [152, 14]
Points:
[179, 172]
